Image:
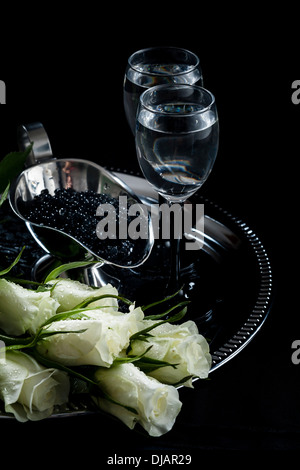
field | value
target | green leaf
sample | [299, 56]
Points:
[46, 287]
[6, 270]
[4, 194]
[18, 280]
[178, 316]
[143, 334]
[10, 340]
[77, 314]
[89, 300]
[161, 315]
[126, 359]
[158, 302]
[115, 402]
[40, 335]
[66, 267]
[182, 381]
[11, 166]
[57, 365]
[149, 364]
[74, 314]
[46, 334]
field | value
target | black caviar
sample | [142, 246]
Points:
[74, 212]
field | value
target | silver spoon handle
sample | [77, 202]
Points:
[34, 133]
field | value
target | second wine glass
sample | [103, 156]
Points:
[177, 136]
[157, 66]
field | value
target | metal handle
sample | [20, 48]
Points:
[34, 133]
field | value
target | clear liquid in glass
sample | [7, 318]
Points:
[175, 162]
[144, 76]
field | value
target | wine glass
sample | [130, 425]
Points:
[157, 66]
[177, 137]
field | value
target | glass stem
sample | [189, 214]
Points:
[175, 242]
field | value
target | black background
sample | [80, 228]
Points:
[68, 74]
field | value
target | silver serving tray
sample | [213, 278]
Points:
[226, 236]
[234, 295]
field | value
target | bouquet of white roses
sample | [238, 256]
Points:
[130, 362]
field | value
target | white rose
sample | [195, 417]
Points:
[29, 390]
[70, 293]
[105, 335]
[157, 404]
[24, 310]
[177, 344]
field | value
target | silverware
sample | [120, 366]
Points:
[46, 172]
